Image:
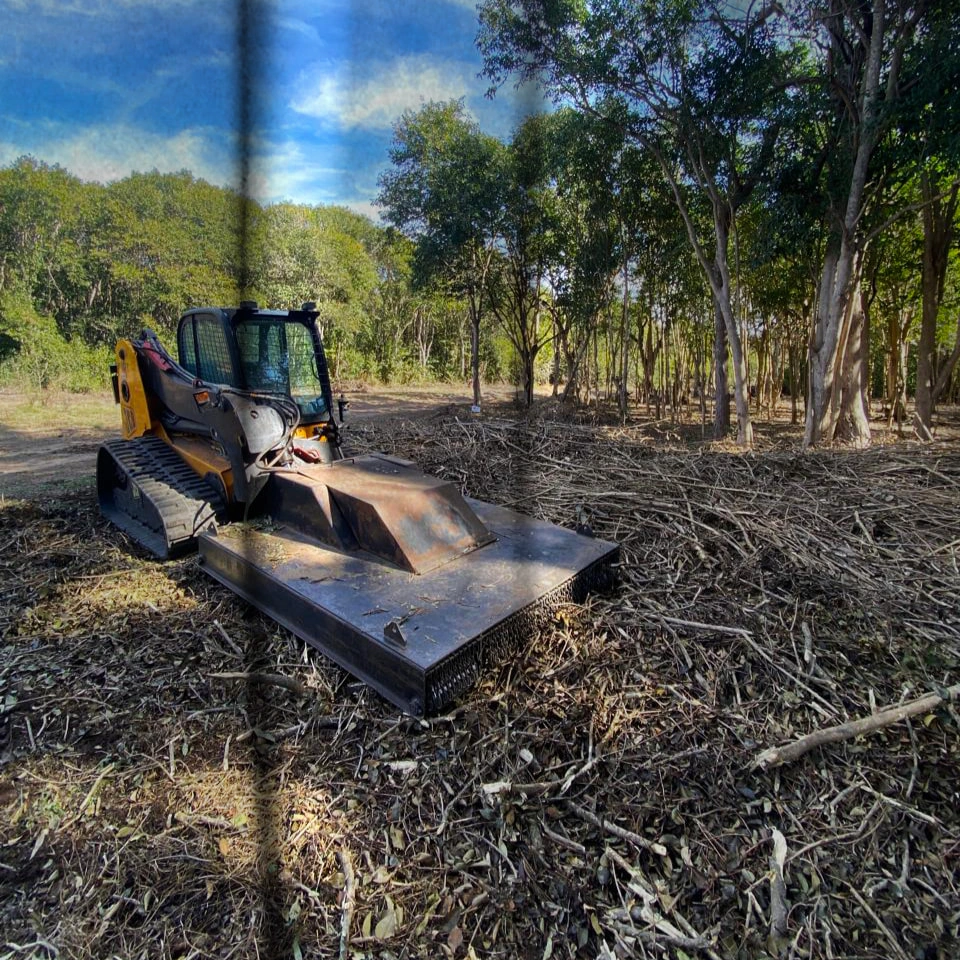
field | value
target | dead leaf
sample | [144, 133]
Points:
[387, 924]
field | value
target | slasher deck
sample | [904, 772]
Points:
[419, 640]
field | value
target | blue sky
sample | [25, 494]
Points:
[105, 87]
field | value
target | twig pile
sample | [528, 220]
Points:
[167, 793]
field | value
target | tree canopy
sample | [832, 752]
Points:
[723, 205]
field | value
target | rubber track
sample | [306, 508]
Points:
[187, 505]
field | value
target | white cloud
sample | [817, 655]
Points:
[365, 208]
[300, 27]
[286, 172]
[112, 151]
[375, 100]
[91, 8]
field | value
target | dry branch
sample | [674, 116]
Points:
[776, 756]
[617, 831]
[268, 679]
[349, 901]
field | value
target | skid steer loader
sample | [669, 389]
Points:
[234, 450]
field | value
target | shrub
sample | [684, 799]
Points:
[36, 356]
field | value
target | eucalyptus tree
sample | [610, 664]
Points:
[49, 223]
[167, 241]
[383, 334]
[585, 235]
[892, 279]
[323, 254]
[445, 190]
[928, 146]
[862, 50]
[524, 243]
[698, 89]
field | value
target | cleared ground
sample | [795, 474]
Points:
[52, 439]
[594, 796]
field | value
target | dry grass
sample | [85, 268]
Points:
[593, 797]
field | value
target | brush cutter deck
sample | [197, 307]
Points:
[419, 640]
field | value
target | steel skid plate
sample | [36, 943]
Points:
[419, 640]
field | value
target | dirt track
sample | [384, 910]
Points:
[52, 441]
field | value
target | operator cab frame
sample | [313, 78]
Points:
[260, 351]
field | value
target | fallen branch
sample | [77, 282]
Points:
[346, 917]
[540, 787]
[274, 679]
[688, 939]
[617, 831]
[91, 795]
[775, 756]
[778, 893]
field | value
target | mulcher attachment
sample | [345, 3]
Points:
[420, 640]
[150, 493]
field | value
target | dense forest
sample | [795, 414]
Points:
[723, 209]
[83, 263]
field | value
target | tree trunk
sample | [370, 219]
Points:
[938, 217]
[842, 263]
[853, 423]
[947, 368]
[574, 363]
[475, 349]
[622, 393]
[721, 402]
[896, 386]
[794, 381]
[720, 282]
[556, 357]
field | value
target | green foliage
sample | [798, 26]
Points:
[83, 264]
[445, 189]
[40, 357]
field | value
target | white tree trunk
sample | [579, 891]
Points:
[832, 327]
[853, 424]
[720, 282]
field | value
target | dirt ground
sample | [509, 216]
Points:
[181, 779]
[51, 440]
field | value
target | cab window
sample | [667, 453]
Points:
[213, 352]
[186, 347]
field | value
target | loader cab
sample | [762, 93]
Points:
[263, 351]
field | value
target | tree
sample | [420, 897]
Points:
[929, 148]
[698, 90]
[446, 191]
[584, 240]
[860, 78]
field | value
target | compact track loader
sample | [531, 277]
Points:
[393, 574]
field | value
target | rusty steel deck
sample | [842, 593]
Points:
[419, 640]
